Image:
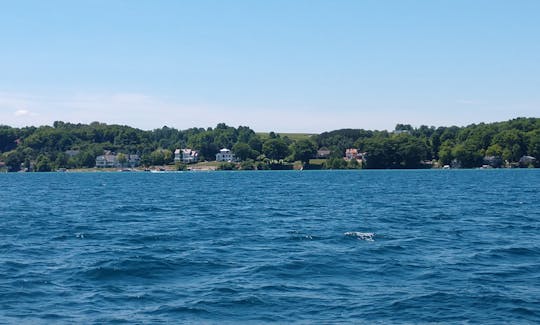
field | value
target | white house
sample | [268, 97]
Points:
[186, 156]
[225, 155]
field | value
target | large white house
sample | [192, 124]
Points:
[225, 155]
[186, 156]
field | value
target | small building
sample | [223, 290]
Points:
[72, 153]
[110, 160]
[323, 153]
[186, 156]
[351, 154]
[526, 161]
[107, 161]
[493, 161]
[225, 155]
[133, 160]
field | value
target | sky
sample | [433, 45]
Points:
[276, 65]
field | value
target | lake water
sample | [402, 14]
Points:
[450, 246]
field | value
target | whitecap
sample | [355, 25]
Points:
[367, 236]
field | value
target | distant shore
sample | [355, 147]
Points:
[62, 146]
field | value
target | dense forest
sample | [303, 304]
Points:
[67, 145]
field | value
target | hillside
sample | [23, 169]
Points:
[67, 145]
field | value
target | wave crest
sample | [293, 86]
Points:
[367, 236]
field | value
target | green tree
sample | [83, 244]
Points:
[467, 156]
[146, 160]
[255, 143]
[13, 160]
[335, 163]
[61, 160]
[512, 143]
[243, 151]
[304, 150]
[275, 149]
[494, 150]
[204, 143]
[122, 159]
[168, 156]
[445, 153]
[86, 159]
[380, 153]
[43, 164]
[533, 148]
[8, 138]
[410, 151]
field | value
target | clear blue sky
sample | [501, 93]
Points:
[290, 65]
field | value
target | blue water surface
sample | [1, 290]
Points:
[423, 246]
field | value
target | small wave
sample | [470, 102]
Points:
[302, 237]
[142, 208]
[167, 310]
[134, 267]
[367, 236]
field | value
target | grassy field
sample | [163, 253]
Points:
[206, 164]
[316, 161]
[292, 136]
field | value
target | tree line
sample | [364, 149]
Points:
[68, 145]
[467, 147]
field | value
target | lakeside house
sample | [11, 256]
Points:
[225, 155]
[110, 160]
[107, 161]
[186, 156]
[351, 154]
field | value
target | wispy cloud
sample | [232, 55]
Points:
[148, 112]
[135, 109]
[22, 112]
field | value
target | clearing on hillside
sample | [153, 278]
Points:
[292, 136]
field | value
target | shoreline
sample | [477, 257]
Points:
[211, 169]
